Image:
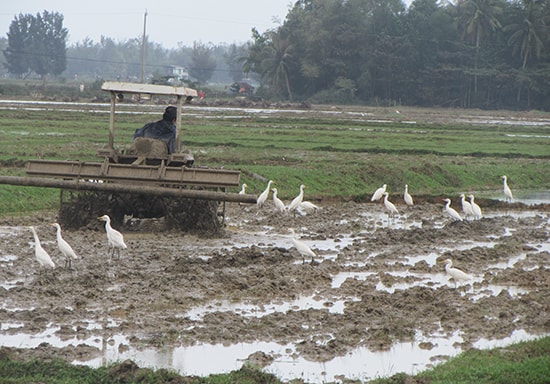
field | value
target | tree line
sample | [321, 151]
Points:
[467, 53]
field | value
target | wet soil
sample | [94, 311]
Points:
[149, 292]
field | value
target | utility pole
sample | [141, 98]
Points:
[143, 47]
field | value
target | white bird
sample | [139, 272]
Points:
[243, 189]
[64, 247]
[115, 239]
[308, 206]
[278, 202]
[302, 247]
[389, 205]
[263, 196]
[378, 193]
[456, 273]
[295, 203]
[475, 208]
[407, 197]
[506, 189]
[451, 211]
[42, 256]
[466, 207]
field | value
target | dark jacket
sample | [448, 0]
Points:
[162, 130]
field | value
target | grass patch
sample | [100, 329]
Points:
[335, 156]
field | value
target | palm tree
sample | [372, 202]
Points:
[276, 63]
[525, 35]
[478, 18]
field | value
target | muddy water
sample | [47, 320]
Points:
[375, 300]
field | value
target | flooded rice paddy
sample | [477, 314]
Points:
[374, 301]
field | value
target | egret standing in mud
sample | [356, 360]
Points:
[451, 211]
[295, 203]
[302, 247]
[115, 239]
[407, 197]
[390, 206]
[475, 208]
[263, 196]
[42, 256]
[466, 207]
[64, 247]
[456, 273]
[278, 202]
[506, 189]
[378, 193]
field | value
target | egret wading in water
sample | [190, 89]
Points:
[64, 247]
[390, 206]
[295, 203]
[451, 211]
[263, 196]
[475, 208]
[303, 248]
[407, 197]
[466, 207]
[115, 239]
[378, 193]
[456, 273]
[42, 256]
[506, 189]
[278, 202]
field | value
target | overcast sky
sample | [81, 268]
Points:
[168, 23]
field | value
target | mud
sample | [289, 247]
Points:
[167, 287]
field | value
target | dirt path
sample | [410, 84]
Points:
[166, 289]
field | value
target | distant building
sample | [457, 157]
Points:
[177, 72]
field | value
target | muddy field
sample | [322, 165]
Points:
[374, 282]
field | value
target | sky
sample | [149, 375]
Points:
[168, 23]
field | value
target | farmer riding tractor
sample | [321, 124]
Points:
[146, 180]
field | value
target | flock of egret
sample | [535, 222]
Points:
[470, 209]
[115, 239]
[115, 242]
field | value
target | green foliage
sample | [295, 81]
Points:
[37, 43]
[525, 362]
[337, 156]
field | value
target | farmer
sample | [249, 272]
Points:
[164, 130]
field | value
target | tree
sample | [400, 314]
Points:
[37, 43]
[526, 34]
[478, 18]
[203, 63]
[276, 62]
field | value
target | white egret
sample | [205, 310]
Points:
[506, 189]
[475, 208]
[42, 256]
[407, 197]
[389, 206]
[278, 202]
[378, 193]
[302, 247]
[243, 189]
[263, 196]
[456, 273]
[64, 247]
[295, 203]
[115, 239]
[451, 211]
[308, 206]
[466, 207]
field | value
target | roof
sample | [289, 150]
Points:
[151, 89]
